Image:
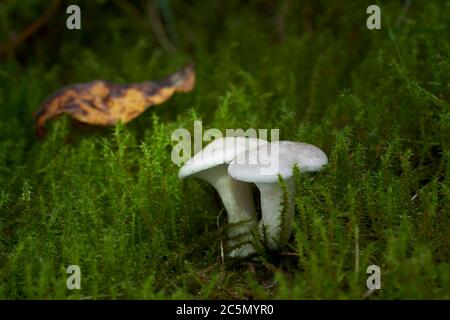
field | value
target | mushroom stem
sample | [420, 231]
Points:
[237, 199]
[275, 228]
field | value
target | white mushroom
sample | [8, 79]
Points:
[211, 165]
[274, 227]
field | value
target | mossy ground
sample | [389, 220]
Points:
[109, 200]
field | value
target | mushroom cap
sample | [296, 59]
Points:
[257, 164]
[218, 152]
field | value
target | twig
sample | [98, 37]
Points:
[280, 19]
[31, 29]
[158, 29]
[133, 12]
[169, 20]
[221, 241]
[289, 254]
[153, 24]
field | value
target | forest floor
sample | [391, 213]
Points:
[110, 201]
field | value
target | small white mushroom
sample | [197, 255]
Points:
[211, 164]
[282, 156]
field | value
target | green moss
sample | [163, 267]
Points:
[110, 201]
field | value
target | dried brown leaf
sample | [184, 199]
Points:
[104, 103]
